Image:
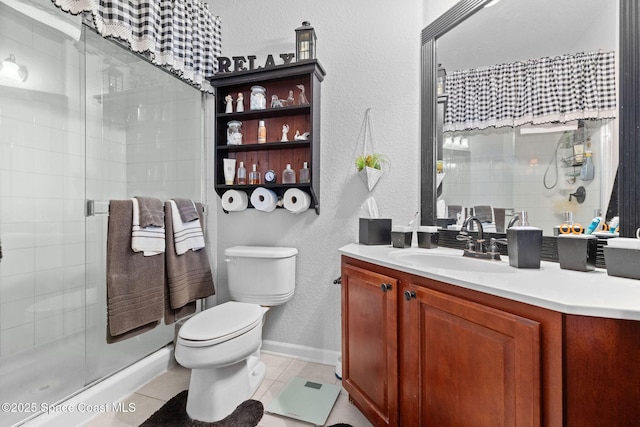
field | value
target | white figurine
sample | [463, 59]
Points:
[229, 100]
[275, 102]
[290, 99]
[285, 131]
[240, 103]
[302, 99]
[302, 137]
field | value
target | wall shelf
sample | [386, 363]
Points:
[274, 154]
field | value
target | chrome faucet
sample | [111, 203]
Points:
[513, 221]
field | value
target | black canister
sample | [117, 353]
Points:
[524, 245]
[577, 252]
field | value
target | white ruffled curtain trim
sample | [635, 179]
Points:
[538, 91]
[181, 35]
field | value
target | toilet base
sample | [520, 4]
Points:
[215, 393]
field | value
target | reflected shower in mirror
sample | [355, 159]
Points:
[498, 171]
[531, 163]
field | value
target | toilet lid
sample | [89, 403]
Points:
[222, 322]
[260, 252]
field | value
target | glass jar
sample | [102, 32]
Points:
[258, 98]
[234, 136]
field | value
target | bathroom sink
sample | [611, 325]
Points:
[455, 262]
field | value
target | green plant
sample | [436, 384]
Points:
[373, 160]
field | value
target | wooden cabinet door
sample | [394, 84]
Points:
[369, 343]
[465, 364]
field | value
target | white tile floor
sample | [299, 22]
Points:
[150, 397]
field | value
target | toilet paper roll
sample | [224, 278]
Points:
[264, 199]
[296, 201]
[234, 200]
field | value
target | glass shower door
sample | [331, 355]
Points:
[91, 121]
[42, 224]
[144, 133]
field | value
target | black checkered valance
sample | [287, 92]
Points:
[560, 89]
[180, 35]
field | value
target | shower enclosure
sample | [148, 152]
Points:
[82, 122]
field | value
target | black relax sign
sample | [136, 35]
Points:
[241, 63]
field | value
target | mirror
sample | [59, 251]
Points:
[472, 36]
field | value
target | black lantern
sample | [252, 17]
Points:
[112, 79]
[305, 42]
[442, 79]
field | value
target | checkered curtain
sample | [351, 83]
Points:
[544, 90]
[180, 35]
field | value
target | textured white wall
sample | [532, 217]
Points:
[371, 52]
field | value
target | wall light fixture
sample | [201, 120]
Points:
[11, 70]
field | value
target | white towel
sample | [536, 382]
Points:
[148, 240]
[186, 235]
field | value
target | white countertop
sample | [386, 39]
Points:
[592, 293]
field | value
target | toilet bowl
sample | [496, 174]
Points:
[222, 348]
[221, 345]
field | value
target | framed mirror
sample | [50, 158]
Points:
[446, 33]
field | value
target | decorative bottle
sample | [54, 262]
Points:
[524, 244]
[304, 173]
[587, 170]
[254, 176]
[262, 132]
[288, 175]
[242, 174]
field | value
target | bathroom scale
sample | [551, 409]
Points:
[305, 400]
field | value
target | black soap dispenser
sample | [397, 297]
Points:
[524, 244]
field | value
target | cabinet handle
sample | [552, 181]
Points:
[385, 287]
[408, 295]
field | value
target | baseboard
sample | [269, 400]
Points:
[309, 354]
[102, 396]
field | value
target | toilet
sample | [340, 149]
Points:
[221, 345]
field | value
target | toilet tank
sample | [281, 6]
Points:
[262, 275]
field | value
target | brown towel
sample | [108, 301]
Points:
[151, 213]
[187, 210]
[188, 276]
[135, 292]
[172, 316]
[484, 213]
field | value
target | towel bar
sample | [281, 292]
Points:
[101, 207]
[96, 207]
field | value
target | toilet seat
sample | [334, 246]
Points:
[220, 323]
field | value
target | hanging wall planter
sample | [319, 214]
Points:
[369, 164]
[369, 169]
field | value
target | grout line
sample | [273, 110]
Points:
[147, 396]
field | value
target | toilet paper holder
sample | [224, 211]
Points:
[279, 190]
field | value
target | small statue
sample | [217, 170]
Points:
[285, 131]
[229, 100]
[240, 103]
[290, 99]
[275, 102]
[302, 137]
[302, 99]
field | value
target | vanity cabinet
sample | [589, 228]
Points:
[425, 353]
[370, 328]
[284, 82]
[463, 358]
[466, 364]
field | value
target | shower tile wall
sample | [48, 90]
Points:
[64, 138]
[41, 189]
[506, 170]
